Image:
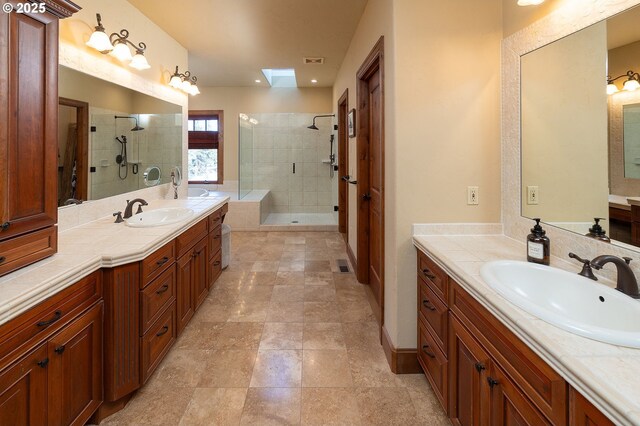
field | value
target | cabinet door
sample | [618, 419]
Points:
[509, 406]
[28, 111]
[75, 370]
[200, 276]
[469, 390]
[583, 413]
[184, 299]
[23, 390]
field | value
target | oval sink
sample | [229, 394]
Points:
[159, 217]
[567, 300]
[197, 192]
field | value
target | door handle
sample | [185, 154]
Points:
[366, 196]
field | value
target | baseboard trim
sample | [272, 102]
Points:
[401, 361]
[352, 258]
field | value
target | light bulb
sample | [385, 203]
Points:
[139, 62]
[612, 88]
[121, 52]
[99, 40]
[193, 90]
[186, 86]
[631, 85]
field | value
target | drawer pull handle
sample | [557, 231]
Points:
[492, 382]
[2, 259]
[162, 261]
[163, 289]
[427, 304]
[480, 367]
[428, 274]
[216, 263]
[5, 226]
[56, 317]
[59, 350]
[163, 331]
[428, 353]
[217, 236]
[43, 363]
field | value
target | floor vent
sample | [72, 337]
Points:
[342, 265]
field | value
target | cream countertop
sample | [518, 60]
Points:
[89, 247]
[606, 374]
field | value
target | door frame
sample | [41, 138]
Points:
[374, 62]
[82, 148]
[343, 166]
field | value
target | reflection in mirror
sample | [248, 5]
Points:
[152, 176]
[578, 151]
[103, 148]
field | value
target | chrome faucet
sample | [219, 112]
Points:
[128, 211]
[626, 279]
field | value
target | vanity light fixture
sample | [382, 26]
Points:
[529, 2]
[632, 83]
[117, 46]
[185, 82]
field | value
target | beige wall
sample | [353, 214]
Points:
[442, 119]
[564, 128]
[236, 100]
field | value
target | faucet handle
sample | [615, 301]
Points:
[119, 218]
[627, 259]
[139, 208]
[586, 271]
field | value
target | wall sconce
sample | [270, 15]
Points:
[116, 46]
[185, 82]
[632, 83]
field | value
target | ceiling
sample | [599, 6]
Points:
[230, 41]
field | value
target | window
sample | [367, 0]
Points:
[205, 146]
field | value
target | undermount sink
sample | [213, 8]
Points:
[567, 300]
[159, 217]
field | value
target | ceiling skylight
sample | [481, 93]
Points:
[280, 77]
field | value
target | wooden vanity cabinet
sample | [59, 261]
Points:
[28, 135]
[51, 359]
[492, 377]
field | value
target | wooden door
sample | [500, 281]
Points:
[79, 155]
[343, 166]
[468, 386]
[200, 270]
[75, 371]
[28, 111]
[184, 298]
[23, 390]
[370, 140]
[509, 406]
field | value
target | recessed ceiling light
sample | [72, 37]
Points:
[314, 81]
[258, 81]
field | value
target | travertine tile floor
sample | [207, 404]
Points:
[283, 338]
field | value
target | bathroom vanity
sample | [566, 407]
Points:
[491, 363]
[82, 332]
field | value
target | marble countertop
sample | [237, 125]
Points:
[606, 374]
[89, 247]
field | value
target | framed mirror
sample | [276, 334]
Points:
[580, 144]
[108, 136]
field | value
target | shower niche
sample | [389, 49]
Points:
[292, 155]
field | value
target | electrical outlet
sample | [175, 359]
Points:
[472, 195]
[532, 195]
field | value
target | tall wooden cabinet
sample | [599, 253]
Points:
[28, 135]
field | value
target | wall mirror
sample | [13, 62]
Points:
[580, 143]
[109, 135]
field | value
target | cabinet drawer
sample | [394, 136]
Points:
[433, 275]
[154, 264]
[215, 218]
[38, 323]
[157, 341]
[434, 363]
[26, 249]
[215, 240]
[434, 313]
[215, 268]
[542, 385]
[156, 297]
[190, 237]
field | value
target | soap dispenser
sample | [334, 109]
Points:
[538, 245]
[597, 232]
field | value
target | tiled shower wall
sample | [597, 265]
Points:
[281, 140]
[159, 144]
